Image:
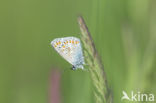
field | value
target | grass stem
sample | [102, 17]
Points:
[96, 68]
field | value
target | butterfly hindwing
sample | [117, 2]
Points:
[70, 49]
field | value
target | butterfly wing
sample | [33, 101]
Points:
[70, 49]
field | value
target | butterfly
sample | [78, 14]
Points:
[71, 50]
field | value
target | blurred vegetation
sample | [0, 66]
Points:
[124, 33]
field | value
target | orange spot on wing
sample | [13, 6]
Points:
[59, 42]
[76, 42]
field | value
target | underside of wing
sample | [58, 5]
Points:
[69, 48]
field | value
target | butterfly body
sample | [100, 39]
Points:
[70, 49]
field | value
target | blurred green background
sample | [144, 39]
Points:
[124, 32]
